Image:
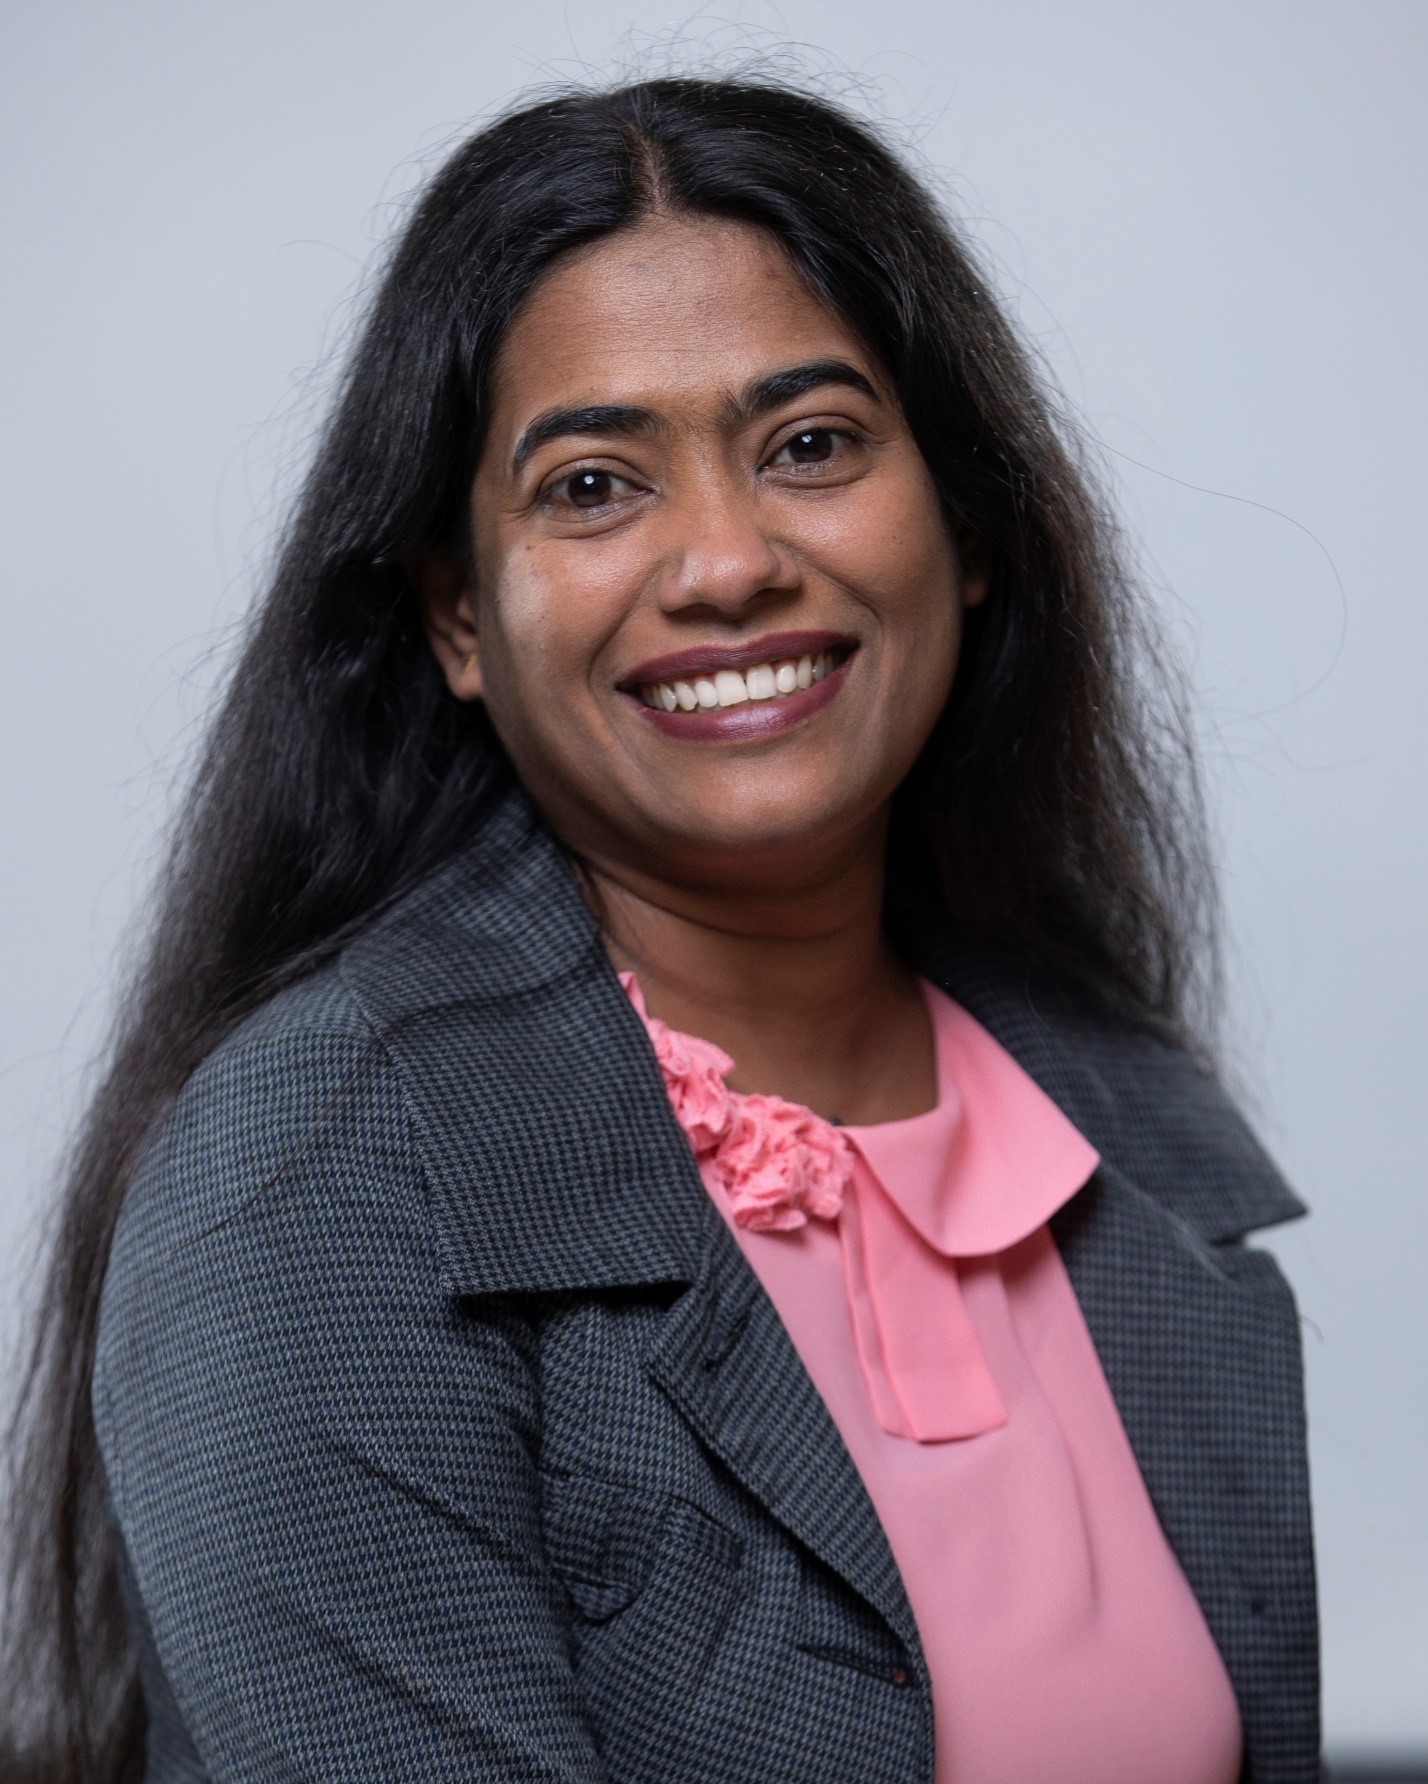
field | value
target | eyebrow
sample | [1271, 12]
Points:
[596, 418]
[795, 381]
[626, 419]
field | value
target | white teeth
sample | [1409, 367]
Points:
[767, 681]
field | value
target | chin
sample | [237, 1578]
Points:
[742, 844]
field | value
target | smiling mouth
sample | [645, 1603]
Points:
[777, 679]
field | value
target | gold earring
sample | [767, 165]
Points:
[468, 663]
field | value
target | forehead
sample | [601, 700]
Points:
[671, 316]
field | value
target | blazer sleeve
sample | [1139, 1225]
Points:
[324, 1473]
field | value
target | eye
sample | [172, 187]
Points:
[588, 489]
[811, 447]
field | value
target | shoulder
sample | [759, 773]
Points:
[276, 1322]
[281, 1206]
[305, 1075]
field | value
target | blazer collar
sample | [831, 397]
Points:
[1150, 1109]
[553, 1159]
[584, 1179]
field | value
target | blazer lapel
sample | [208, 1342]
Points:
[725, 1359]
[584, 1179]
[1200, 1346]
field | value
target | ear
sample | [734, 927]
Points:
[974, 568]
[448, 609]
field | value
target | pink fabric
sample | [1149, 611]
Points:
[776, 1162]
[932, 1311]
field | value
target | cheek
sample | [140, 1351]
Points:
[917, 545]
[891, 548]
[545, 616]
[535, 622]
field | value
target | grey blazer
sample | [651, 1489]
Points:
[449, 1435]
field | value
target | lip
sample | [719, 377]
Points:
[773, 647]
[752, 720]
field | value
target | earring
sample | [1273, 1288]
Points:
[468, 663]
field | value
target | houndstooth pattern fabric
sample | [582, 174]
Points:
[449, 1435]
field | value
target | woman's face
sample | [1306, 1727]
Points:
[715, 607]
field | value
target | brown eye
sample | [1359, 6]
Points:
[812, 447]
[589, 489]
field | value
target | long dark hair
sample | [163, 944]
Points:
[1054, 810]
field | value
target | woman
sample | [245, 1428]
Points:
[657, 1214]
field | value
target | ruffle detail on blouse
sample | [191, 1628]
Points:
[777, 1163]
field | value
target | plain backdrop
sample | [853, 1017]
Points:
[1209, 220]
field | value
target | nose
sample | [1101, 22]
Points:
[722, 557]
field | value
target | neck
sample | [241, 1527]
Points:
[796, 982]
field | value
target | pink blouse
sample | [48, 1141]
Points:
[913, 1269]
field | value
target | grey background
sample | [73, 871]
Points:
[1210, 222]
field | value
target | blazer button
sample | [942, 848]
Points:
[898, 1675]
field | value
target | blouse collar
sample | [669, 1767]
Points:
[992, 1162]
